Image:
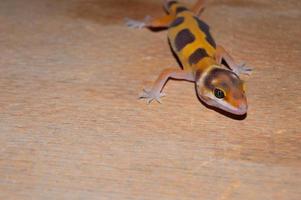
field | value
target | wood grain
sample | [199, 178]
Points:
[71, 126]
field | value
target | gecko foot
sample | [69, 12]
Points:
[137, 24]
[150, 96]
[242, 69]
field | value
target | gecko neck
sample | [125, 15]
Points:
[204, 66]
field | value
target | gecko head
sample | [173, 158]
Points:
[223, 89]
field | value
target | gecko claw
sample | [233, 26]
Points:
[242, 69]
[148, 101]
[150, 96]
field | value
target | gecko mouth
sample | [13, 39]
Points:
[222, 105]
[241, 110]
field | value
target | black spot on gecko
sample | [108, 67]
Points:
[183, 38]
[180, 9]
[177, 22]
[205, 28]
[196, 56]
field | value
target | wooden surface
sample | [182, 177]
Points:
[71, 126]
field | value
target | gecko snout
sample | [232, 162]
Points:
[242, 109]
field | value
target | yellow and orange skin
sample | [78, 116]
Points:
[194, 46]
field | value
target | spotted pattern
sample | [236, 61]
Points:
[180, 9]
[177, 22]
[183, 38]
[205, 28]
[196, 56]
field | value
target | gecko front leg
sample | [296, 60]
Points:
[155, 92]
[238, 69]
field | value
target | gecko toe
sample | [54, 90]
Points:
[158, 100]
[150, 96]
[134, 23]
[243, 69]
[149, 100]
[142, 95]
[162, 94]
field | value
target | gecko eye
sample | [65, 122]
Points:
[219, 93]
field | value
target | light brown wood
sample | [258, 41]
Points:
[71, 126]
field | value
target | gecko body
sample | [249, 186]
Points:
[217, 85]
